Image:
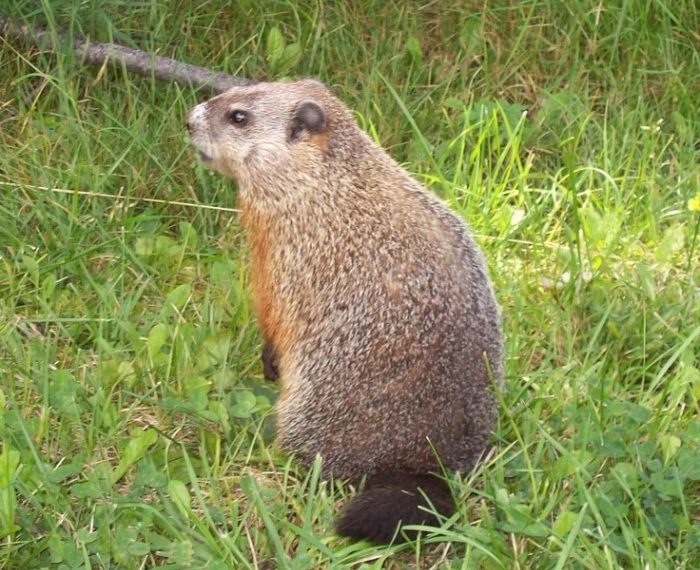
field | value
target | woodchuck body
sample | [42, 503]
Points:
[374, 303]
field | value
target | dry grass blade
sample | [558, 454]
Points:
[118, 197]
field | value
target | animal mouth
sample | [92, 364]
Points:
[204, 157]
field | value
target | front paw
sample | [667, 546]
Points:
[270, 363]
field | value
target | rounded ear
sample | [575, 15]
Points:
[309, 117]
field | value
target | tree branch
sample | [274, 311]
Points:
[141, 62]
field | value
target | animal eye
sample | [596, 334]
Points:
[238, 117]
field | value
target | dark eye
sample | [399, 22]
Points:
[238, 117]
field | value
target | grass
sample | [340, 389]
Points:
[135, 423]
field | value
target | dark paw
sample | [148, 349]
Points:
[270, 363]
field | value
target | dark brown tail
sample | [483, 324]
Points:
[393, 499]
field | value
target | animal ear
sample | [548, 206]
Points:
[309, 117]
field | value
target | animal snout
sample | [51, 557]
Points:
[196, 116]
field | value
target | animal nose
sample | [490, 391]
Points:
[189, 121]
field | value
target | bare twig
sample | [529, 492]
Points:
[141, 62]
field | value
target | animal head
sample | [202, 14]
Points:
[260, 133]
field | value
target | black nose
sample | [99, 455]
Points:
[189, 127]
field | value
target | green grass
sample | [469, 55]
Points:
[135, 425]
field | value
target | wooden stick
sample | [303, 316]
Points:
[141, 62]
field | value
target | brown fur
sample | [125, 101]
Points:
[372, 298]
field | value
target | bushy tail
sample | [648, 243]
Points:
[393, 499]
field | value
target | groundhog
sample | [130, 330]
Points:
[374, 303]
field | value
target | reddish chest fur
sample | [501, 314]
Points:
[271, 318]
